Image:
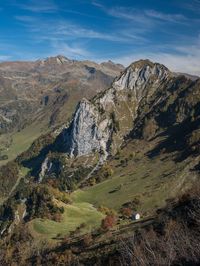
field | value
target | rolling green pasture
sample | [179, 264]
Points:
[74, 215]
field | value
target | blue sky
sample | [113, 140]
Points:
[167, 31]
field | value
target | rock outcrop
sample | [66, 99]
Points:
[95, 123]
[141, 74]
[88, 131]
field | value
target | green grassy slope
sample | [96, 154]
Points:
[148, 181]
[74, 216]
[21, 141]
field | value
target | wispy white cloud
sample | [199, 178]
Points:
[130, 14]
[73, 40]
[71, 51]
[175, 18]
[25, 19]
[178, 58]
[62, 29]
[148, 17]
[183, 59]
[192, 5]
[97, 4]
[44, 6]
[177, 63]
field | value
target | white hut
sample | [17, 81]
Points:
[136, 216]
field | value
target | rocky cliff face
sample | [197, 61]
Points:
[102, 123]
[88, 131]
[141, 74]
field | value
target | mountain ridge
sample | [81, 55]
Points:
[100, 126]
[134, 78]
[43, 95]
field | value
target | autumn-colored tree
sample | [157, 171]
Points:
[127, 212]
[108, 222]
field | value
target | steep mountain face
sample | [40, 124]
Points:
[172, 119]
[43, 89]
[88, 131]
[146, 100]
[102, 123]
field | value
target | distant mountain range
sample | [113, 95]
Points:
[40, 89]
[43, 94]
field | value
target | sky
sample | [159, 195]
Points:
[165, 31]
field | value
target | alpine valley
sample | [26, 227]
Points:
[100, 164]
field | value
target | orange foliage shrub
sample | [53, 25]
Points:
[127, 212]
[108, 222]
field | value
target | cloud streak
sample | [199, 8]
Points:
[184, 58]
[70, 50]
[44, 6]
[54, 29]
[174, 18]
[144, 17]
[193, 5]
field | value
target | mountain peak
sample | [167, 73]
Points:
[110, 62]
[140, 73]
[59, 59]
[142, 62]
[146, 63]
[62, 58]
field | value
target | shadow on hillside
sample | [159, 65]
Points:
[34, 164]
[176, 140]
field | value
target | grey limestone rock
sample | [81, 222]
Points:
[87, 132]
